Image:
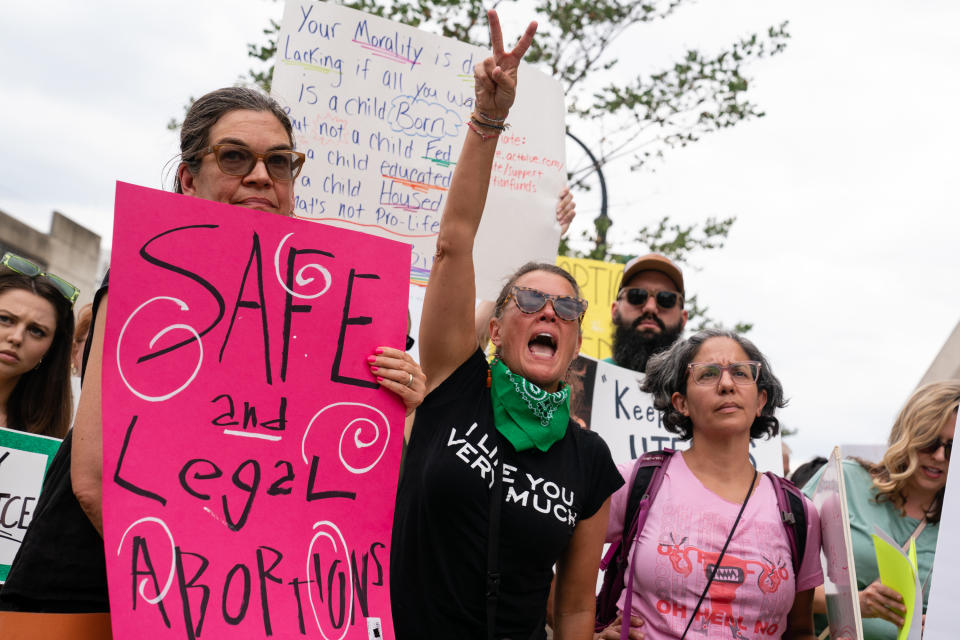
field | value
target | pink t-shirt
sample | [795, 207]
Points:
[754, 588]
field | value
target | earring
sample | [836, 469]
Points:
[38, 364]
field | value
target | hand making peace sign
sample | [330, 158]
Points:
[496, 77]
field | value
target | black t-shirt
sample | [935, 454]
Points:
[60, 567]
[438, 559]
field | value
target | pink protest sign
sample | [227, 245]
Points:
[250, 459]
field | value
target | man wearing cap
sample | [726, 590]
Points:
[648, 314]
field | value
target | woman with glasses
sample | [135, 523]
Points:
[36, 336]
[236, 147]
[713, 558]
[498, 484]
[903, 495]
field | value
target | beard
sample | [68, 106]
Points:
[632, 349]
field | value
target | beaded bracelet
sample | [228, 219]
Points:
[488, 118]
[497, 127]
[483, 136]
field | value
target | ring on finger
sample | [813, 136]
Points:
[409, 382]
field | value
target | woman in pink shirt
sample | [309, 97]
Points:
[713, 559]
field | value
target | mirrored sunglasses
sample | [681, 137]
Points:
[236, 160]
[639, 297]
[709, 373]
[532, 300]
[24, 267]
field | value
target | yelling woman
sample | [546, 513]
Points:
[498, 484]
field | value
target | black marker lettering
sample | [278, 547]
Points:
[184, 585]
[189, 274]
[215, 473]
[263, 574]
[347, 320]
[319, 495]
[245, 598]
[289, 308]
[140, 547]
[126, 484]
[250, 304]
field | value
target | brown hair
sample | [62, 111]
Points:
[525, 269]
[918, 426]
[42, 402]
[208, 109]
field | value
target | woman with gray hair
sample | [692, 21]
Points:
[713, 554]
[236, 147]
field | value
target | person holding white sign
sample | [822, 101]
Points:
[36, 336]
[903, 495]
[236, 147]
[498, 484]
[714, 557]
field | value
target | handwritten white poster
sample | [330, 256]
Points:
[608, 400]
[380, 109]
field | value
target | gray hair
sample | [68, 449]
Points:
[206, 111]
[667, 374]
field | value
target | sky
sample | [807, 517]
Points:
[844, 254]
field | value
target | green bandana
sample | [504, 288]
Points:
[524, 413]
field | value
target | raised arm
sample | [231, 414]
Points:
[447, 336]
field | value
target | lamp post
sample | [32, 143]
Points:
[602, 222]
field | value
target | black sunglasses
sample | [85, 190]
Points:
[639, 297]
[532, 300]
[934, 446]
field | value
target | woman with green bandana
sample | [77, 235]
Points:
[498, 484]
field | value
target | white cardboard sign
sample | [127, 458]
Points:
[836, 554]
[380, 109]
[944, 587]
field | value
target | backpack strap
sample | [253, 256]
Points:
[793, 514]
[648, 472]
[642, 477]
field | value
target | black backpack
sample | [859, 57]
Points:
[647, 476]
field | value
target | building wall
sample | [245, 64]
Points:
[69, 250]
[946, 365]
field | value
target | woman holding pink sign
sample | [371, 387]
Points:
[498, 484]
[236, 148]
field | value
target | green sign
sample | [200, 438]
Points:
[24, 460]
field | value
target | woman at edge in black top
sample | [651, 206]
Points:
[551, 472]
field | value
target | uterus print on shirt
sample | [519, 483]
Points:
[732, 574]
[747, 594]
[527, 490]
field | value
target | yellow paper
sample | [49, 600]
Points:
[897, 572]
[599, 283]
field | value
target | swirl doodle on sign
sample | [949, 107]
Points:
[143, 583]
[359, 442]
[342, 549]
[301, 279]
[183, 307]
